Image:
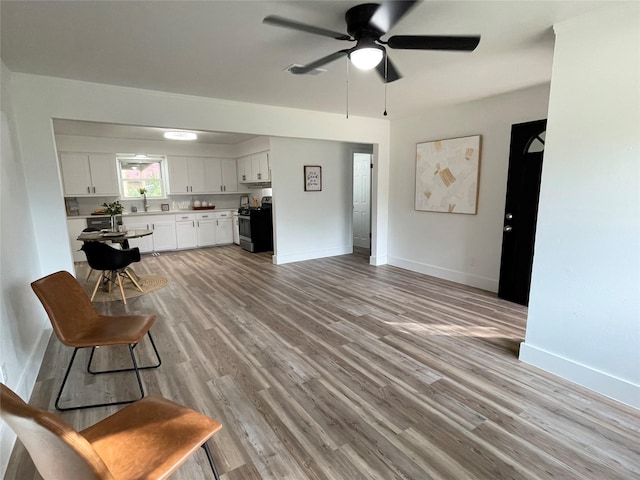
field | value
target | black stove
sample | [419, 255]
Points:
[256, 227]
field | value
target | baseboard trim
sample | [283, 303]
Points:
[608, 385]
[312, 255]
[464, 278]
[378, 260]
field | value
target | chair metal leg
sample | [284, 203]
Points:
[155, 349]
[210, 458]
[122, 402]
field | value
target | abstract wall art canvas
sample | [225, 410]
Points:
[447, 173]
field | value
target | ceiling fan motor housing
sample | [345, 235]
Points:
[358, 21]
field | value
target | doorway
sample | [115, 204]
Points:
[521, 210]
[362, 164]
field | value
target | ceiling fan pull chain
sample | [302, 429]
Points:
[347, 87]
[386, 66]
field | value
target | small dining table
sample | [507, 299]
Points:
[114, 237]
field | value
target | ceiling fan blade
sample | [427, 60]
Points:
[389, 13]
[318, 63]
[286, 23]
[392, 73]
[466, 43]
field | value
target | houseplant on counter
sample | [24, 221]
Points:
[143, 192]
[113, 209]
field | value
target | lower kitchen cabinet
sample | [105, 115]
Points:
[186, 236]
[164, 232]
[224, 228]
[206, 229]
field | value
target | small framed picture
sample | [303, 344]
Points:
[312, 178]
[164, 207]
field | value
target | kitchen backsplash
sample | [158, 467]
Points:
[87, 205]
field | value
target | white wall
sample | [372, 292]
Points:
[584, 311]
[24, 328]
[462, 248]
[311, 224]
[39, 99]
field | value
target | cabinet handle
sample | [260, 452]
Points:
[259, 176]
[217, 222]
[198, 223]
[94, 189]
[88, 190]
[193, 224]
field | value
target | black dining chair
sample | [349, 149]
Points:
[89, 230]
[112, 263]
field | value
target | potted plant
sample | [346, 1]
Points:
[143, 192]
[113, 209]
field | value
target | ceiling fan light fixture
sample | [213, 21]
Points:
[180, 135]
[366, 58]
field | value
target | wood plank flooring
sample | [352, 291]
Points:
[334, 369]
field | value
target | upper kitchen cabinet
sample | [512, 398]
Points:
[201, 175]
[221, 175]
[254, 168]
[89, 174]
[186, 175]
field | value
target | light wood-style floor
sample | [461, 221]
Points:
[334, 369]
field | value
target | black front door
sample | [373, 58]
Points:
[521, 210]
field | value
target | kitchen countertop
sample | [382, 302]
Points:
[158, 212]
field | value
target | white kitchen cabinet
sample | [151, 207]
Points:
[186, 233]
[202, 175]
[164, 232]
[260, 167]
[145, 244]
[244, 169]
[75, 227]
[254, 168]
[220, 175]
[206, 229]
[224, 228]
[229, 174]
[186, 175]
[89, 174]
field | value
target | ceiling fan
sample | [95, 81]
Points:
[368, 22]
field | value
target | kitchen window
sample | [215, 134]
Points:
[142, 172]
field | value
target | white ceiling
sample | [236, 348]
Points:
[221, 49]
[131, 132]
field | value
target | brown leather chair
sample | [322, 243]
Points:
[78, 324]
[148, 439]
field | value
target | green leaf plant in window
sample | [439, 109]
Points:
[143, 192]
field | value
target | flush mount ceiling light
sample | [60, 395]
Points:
[366, 57]
[180, 135]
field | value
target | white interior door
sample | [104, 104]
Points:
[362, 200]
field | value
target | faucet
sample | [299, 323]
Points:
[145, 203]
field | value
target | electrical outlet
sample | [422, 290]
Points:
[3, 373]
